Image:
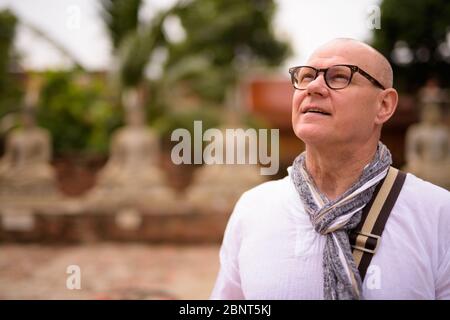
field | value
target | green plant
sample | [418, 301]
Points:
[10, 90]
[423, 27]
[75, 108]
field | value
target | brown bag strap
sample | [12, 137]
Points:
[365, 238]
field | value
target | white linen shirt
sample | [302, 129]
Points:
[270, 249]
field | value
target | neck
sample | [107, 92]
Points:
[335, 170]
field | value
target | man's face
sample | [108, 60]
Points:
[351, 111]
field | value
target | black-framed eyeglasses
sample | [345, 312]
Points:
[336, 77]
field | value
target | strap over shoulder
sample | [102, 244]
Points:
[366, 237]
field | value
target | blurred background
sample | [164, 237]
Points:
[91, 91]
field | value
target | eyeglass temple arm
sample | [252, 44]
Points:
[370, 78]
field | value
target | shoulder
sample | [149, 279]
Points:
[421, 193]
[263, 209]
[425, 208]
[270, 191]
[264, 200]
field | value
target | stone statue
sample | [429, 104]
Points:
[432, 93]
[216, 187]
[428, 147]
[132, 176]
[25, 170]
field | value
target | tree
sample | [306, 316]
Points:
[135, 51]
[10, 92]
[223, 39]
[415, 36]
[121, 18]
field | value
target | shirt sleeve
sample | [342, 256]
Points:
[443, 273]
[443, 282]
[228, 282]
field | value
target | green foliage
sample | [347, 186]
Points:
[223, 38]
[135, 51]
[121, 18]
[185, 119]
[424, 26]
[10, 91]
[77, 113]
[224, 30]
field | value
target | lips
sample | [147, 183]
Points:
[315, 109]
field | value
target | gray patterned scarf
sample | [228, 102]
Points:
[335, 218]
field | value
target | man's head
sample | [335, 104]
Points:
[351, 115]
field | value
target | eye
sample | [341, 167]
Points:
[306, 77]
[339, 75]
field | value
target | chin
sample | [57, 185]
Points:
[312, 135]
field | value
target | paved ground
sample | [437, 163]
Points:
[108, 271]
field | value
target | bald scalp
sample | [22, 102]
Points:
[374, 61]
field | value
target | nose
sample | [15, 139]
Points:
[318, 86]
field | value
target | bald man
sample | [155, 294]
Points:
[289, 239]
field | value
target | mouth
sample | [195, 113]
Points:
[316, 110]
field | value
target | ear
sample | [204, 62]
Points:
[387, 104]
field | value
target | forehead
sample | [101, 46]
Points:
[341, 53]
